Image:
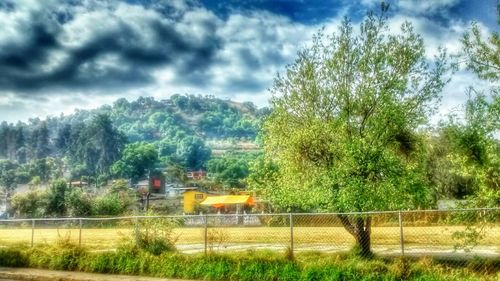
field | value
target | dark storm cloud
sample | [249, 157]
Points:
[59, 55]
[41, 56]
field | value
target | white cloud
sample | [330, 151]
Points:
[233, 57]
[435, 35]
[425, 7]
[455, 94]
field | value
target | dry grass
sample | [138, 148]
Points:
[108, 238]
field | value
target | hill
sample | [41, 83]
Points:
[184, 129]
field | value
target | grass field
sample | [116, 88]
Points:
[110, 238]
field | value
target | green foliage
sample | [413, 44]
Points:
[343, 130]
[119, 186]
[476, 147]
[482, 56]
[12, 258]
[56, 197]
[475, 151]
[111, 204]
[463, 158]
[137, 158]
[78, 203]
[263, 173]
[102, 146]
[7, 174]
[231, 169]
[40, 141]
[88, 143]
[193, 152]
[155, 235]
[31, 204]
[60, 200]
[242, 266]
[44, 168]
[345, 144]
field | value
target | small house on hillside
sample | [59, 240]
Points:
[80, 184]
[192, 199]
[196, 175]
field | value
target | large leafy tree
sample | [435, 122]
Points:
[475, 151]
[344, 121]
[95, 147]
[136, 160]
[193, 152]
[231, 169]
[8, 175]
[476, 148]
[40, 141]
[106, 141]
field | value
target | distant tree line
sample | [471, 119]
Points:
[125, 140]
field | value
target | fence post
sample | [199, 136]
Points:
[401, 237]
[206, 233]
[291, 234]
[80, 233]
[32, 232]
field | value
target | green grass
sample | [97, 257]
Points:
[250, 265]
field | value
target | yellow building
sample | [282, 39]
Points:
[192, 199]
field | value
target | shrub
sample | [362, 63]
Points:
[155, 235]
[78, 203]
[32, 204]
[109, 205]
[12, 258]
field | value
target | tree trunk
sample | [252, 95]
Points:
[360, 229]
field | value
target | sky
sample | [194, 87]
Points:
[56, 56]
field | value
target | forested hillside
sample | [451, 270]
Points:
[88, 142]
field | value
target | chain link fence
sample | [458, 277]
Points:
[452, 235]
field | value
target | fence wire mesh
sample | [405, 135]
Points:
[456, 237]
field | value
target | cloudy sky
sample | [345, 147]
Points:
[56, 55]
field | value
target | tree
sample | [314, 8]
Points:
[193, 152]
[112, 204]
[476, 148]
[63, 139]
[21, 151]
[8, 174]
[45, 168]
[57, 198]
[475, 151]
[231, 169]
[136, 160]
[93, 148]
[40, 141]
[78, 203]
[31, 204]
[104, 142]
[482, 56]
[344, 121]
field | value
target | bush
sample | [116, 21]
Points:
[110, 205]
[13, 258]
[56, 198]
[78, 203]
[155, 235]
[32, 204]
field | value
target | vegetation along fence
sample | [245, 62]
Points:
[459, 235]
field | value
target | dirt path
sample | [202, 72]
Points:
[7, 273]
